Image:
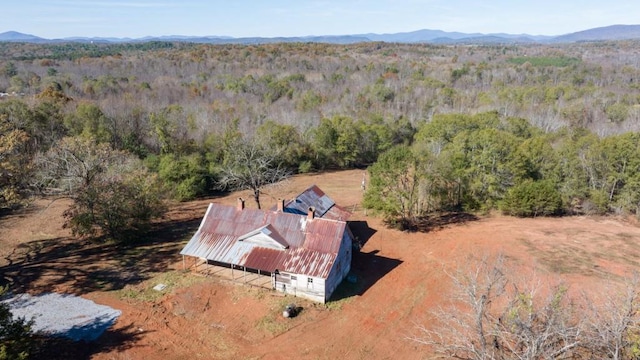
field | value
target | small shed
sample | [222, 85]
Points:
[313, 197]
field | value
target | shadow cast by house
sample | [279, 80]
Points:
[366, 270]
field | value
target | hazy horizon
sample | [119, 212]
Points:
[286, 18]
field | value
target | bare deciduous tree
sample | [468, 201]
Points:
[537, 326]
[491, 317]
[614, 322]
[467, 328]
[251, 167]
[113, 192]
[75, 163]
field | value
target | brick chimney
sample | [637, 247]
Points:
[281, 205]
[240, 204]
[311, 213]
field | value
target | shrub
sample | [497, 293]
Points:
[16, 334]
[532, 198]
[188, 176]
[305, 167]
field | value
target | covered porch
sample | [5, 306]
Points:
[234, 273]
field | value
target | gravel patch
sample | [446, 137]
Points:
[64, 315]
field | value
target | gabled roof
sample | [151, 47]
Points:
[265, 236]
[267, 240]
[315, 198]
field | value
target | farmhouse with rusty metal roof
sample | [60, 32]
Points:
[303, 246]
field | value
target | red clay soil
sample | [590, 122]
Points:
[401, 278]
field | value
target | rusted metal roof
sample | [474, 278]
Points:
[319, 231]
[267, 240]
[322, 204]
[265, 236]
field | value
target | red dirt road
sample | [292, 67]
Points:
[401, 277]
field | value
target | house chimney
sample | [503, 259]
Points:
[311, 213]
[240, 204]
[281, 205]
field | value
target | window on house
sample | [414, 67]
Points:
[309, 282]
[293, 277]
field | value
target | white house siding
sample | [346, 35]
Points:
[341, 266]
[300, 286]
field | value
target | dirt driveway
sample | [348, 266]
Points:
[401, 277]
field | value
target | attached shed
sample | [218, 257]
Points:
[313, 197]
[305, 255]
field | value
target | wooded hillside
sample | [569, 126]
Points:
[493, 123]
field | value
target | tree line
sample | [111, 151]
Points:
[119, 181]
[592, 85]
[531, 130]
[489, 162]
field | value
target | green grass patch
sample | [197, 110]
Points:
[559, 61]
[274, 323]
[337, 304]
[146, 292]
[344, 293]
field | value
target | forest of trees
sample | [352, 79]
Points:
[531, 130]
[484, 161]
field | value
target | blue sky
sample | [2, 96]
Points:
[271, 18]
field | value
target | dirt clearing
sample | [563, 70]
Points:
[400, 279]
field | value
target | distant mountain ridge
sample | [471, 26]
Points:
[613, 32]
[607, 33]
[14, 36]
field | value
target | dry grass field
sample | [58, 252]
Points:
[401, 278]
